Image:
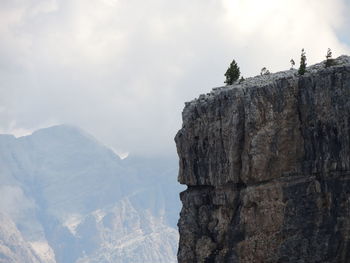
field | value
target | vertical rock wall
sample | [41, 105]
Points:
[267, 165]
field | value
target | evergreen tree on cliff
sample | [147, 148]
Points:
[302, 67]
[232, 73]
[329, 60]
[292, 62]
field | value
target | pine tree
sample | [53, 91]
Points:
[264, 71]
[329, 60]
[302, 68]
[292, 62]
[232, 73]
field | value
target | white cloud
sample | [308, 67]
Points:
[122, 69]
[13, 202]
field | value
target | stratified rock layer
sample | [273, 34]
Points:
[266, 163]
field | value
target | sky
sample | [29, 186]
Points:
[122, 69]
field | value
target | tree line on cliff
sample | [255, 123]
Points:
[233, 72]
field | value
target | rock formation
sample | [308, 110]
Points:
[267, 165]
[13, 247]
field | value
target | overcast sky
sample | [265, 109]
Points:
[122, 69]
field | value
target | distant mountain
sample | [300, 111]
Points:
[13, 247]
[72, 199]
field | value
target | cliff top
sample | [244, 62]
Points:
[253, 117]
[263, 80]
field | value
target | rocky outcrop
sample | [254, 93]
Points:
[13, 247]
[266, 163]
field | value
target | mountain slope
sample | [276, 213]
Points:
[13, 247]
[68, 188]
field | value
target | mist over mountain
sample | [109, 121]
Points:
[72, 199]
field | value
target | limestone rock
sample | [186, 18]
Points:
[13, 248]
[267, 165]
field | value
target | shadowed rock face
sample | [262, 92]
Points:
[266, 163]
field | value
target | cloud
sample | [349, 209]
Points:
[14, 203]
[123, 69]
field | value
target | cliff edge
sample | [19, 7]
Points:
[267, 165]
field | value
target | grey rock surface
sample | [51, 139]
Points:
[266, 163]
[13, 247]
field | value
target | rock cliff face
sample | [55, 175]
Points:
[267, 165]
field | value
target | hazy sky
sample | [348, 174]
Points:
[122, 69]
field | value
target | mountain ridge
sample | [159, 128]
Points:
[62, 183]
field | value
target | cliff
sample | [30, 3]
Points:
[266, 163]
